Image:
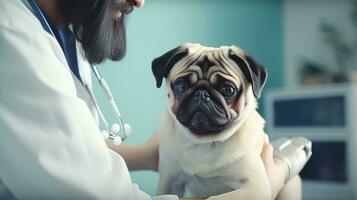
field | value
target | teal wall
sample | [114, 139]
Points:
[254, 25]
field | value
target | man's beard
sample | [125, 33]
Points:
[101, 36]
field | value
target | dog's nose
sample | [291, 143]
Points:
[203, 95]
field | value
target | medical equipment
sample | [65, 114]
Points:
[112, 133]
[294, 152]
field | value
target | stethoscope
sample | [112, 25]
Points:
[111, 133]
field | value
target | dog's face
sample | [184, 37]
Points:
[210, 91]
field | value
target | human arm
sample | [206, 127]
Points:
[139, 157]
[274, 167]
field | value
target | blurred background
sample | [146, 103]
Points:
[309, 48]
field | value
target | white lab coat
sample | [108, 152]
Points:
[50, 145]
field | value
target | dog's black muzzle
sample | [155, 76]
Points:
[202, 113]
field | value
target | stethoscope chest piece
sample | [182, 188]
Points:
[113, 135]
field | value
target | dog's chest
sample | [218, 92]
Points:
[206, 160]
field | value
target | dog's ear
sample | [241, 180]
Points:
[161, 66]
[255, 73]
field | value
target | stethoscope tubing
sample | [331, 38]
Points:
[123, 127]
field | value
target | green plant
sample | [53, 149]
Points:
[310, 68]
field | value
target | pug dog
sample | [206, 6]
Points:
[211, 135]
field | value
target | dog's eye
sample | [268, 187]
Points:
[228, 91]
[180, 85]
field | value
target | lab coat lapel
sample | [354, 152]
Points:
[86, 76]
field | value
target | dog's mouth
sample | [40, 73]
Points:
[202, 124]
[202, 115]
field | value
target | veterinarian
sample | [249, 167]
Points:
[50, 144]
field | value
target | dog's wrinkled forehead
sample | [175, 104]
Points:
[205, 61]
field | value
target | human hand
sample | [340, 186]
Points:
[140, 157]
[294, 152]
[274, 167]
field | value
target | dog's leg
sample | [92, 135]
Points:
[172, 180]
[292, 190]
[169, 184]
[250, 170]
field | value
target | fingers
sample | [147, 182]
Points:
[268, 158]
[274, 167]
[267, 152]
[279, 163]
